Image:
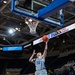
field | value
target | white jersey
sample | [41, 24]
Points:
[40, 64]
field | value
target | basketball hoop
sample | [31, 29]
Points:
[32, 24]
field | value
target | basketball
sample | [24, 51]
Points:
[45, 38]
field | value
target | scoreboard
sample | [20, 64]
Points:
[12, 48]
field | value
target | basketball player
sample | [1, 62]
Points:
[39, 61]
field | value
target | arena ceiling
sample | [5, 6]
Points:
[58, 44]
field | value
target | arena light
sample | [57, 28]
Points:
[5, 1]
[17, 29]
[11, 31]
[63, 41]
[0, 48]
[3, 38]
[30, 20]
[26, 23]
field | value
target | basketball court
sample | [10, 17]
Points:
[26, 25]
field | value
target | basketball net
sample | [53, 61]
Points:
[32, 24]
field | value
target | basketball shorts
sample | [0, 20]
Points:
[41, 72]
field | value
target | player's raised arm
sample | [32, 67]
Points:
[45, 49]
[31, 58]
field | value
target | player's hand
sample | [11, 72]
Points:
[47, 42]
[34, 52]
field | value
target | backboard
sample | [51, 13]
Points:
[49, 11]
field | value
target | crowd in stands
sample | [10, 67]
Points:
[65, 70]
